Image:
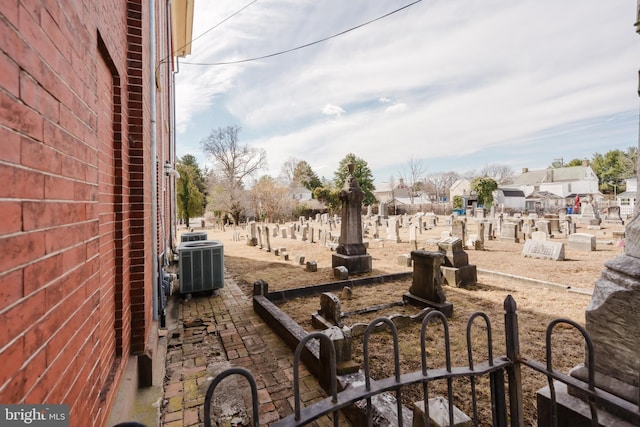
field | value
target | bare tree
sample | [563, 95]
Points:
[442, 182]
[233, 163]
[413, 175]
[288, 171]
[502, 174]
[271, 200]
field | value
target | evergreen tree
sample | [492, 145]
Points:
[361, 172]
[190, 198]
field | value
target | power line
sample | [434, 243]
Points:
[282, 52]
[210, 29]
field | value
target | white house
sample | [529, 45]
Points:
[566, 183]
[509, 199]
[462, 188]
[627, 200]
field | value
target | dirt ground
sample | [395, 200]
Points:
[537, 304]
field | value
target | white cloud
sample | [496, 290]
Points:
[396, 108]
[332, 110]
[475, 75]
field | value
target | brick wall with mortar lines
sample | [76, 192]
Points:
[65, 298]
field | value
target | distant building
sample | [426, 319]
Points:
[566, 183]
[509, 199]
[627, 199]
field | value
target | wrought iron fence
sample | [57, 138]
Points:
[506, 405]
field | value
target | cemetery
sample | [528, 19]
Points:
[548, 272]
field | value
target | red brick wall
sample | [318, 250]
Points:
[75, 200]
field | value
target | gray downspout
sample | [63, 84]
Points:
[154, 155]
[172, 137]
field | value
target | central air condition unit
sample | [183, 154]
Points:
[193, 236]
[201, 266]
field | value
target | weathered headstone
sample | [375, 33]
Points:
[312, 266]
[340, 272]
[543, 249]
[252, 239]
[509, 232]
[582, 242]
[459, 229]
[393, 230]
[588, 212]
[612, 320]
[456, 268]
[540, 236]
[613, 216]
[413, 238]
[426, 287]
[330, 311]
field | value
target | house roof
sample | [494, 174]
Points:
[543, 195]
[512, 192]
[627, 194]
[572, 173]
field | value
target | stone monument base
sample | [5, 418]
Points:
[460, 276]
[354, 263]
[572, 411]
[445, 308]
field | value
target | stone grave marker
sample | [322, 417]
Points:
[582, 242]
[393, 230]
[543, 249]
[426, 287]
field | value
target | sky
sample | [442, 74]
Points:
[451, 85]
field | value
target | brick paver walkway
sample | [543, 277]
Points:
[213, 333]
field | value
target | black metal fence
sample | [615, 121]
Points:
[504, 374]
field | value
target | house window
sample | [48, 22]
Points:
[536, 188]
[624, 202]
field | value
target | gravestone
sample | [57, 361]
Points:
[455, 267]
[340, 273]
[292, 231]
[459, 229]
[509, 232]
[413, 238]
[544, 225]
[540, 236]
[351, 251]
[543, 249]
[267, 238]
[312, 266]
[611, 319]
[283, 230]
[252, 240]
[488, 230]
[305, 233]
[582, 242]
[613, 216]
[259, 234]
[588, 212]
[330, 313]
[426, 287]
[393, 230]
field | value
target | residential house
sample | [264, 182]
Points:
[627, 199]
[567, 183]
[87, 208]
[509, 199]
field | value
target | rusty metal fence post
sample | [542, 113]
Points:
[513, 353]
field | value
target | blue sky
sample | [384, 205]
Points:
[454, 84]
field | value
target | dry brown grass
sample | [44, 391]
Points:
[537, 305]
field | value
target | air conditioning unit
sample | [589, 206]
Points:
[193, 236]
[201, 266]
